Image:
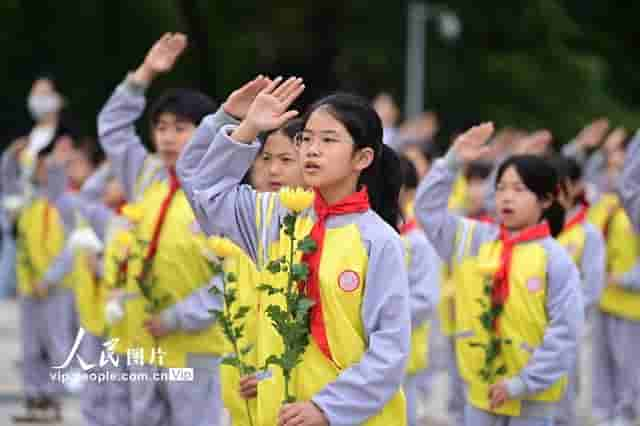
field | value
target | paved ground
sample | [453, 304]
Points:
[10, 383]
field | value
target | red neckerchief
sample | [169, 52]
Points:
[408, 226]
[578, 218]
[358, 202]
[174, 185]
[500, 291]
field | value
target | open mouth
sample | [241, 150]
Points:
[506, 211]
[311, 167]
[275, 185]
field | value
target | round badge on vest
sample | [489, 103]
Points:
[534, 285]
[349, 281]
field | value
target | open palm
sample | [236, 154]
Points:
[164, 53]
[269, 109]
[471, 145]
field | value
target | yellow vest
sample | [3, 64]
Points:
[419, 337]
[343, 250]
[523, 320]
[600, 213]
[40, 240]
[574, 240]
[90, 297]
[179, 268]
[622, 254]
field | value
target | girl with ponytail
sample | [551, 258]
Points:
[518, 290]
[584, 243]
[360, 326]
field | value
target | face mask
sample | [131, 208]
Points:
[41, 105]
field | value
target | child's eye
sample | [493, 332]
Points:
[329, 140]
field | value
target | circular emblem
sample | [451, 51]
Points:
[349, 281]
[534, 285]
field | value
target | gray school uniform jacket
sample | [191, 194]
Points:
[211, 168]
[628, 187]
[550, 361]
[424, 277]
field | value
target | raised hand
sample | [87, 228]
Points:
[269, 110]
[472, 144]
[592, 135]
[161, 57]
[239, 101]
[615, 140]
[535, 143]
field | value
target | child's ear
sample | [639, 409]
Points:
[547, 201]
[363, 158]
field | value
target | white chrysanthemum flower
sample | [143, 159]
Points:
[114, 311]
[85, 239]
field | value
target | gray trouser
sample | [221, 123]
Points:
[476, 417]
[94, 402]
[118, 398]
[162, 403]
[616, 367]
[47, 339]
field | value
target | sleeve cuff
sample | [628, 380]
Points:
[516, 387]
[228, 129]
[452, 161]
[169, 318]
[134, 87]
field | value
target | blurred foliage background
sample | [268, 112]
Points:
[527, 63]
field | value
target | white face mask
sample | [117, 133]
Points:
[41, 105]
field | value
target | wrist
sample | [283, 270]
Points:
[232, 114]
[246, 132]
[143, 76]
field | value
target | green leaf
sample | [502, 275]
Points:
[300, 271]
[231, 277]
[477, 345]
[482, 302]
[502, 370]
[487, 290]
[272, 360]
[244, 351]
[242, 312]
[216, 268]
[307, 245]
[270, 289]
[304, 305]
[232, 361]
[486, 321]
[274, 267]
[237, 331]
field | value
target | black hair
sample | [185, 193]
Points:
[186, 104]
[383, 177]
[569, 171]
[290, 129]
[541, 178]
[91, 149]
[409, 173]
[478, 170]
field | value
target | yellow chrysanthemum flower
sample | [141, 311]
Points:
[26, 159]
[223, 247]
[133, 213]
[296, 199]
[487, 268]
[124, 241]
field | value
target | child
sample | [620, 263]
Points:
[350, 376]
[476, 177]
[46, 312]
[517, 291]
[585, 245]
[170, 266]
[616, 331]
[424, 270]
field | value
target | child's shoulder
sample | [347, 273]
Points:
[557, 254]
[375, 232]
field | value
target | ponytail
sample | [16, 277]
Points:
[384, 180]
[555, 215]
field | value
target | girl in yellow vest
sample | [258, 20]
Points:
[354, 366]
[46, 309]
[586, 246]
[616, 331]
[519, 305]
[424, 274]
